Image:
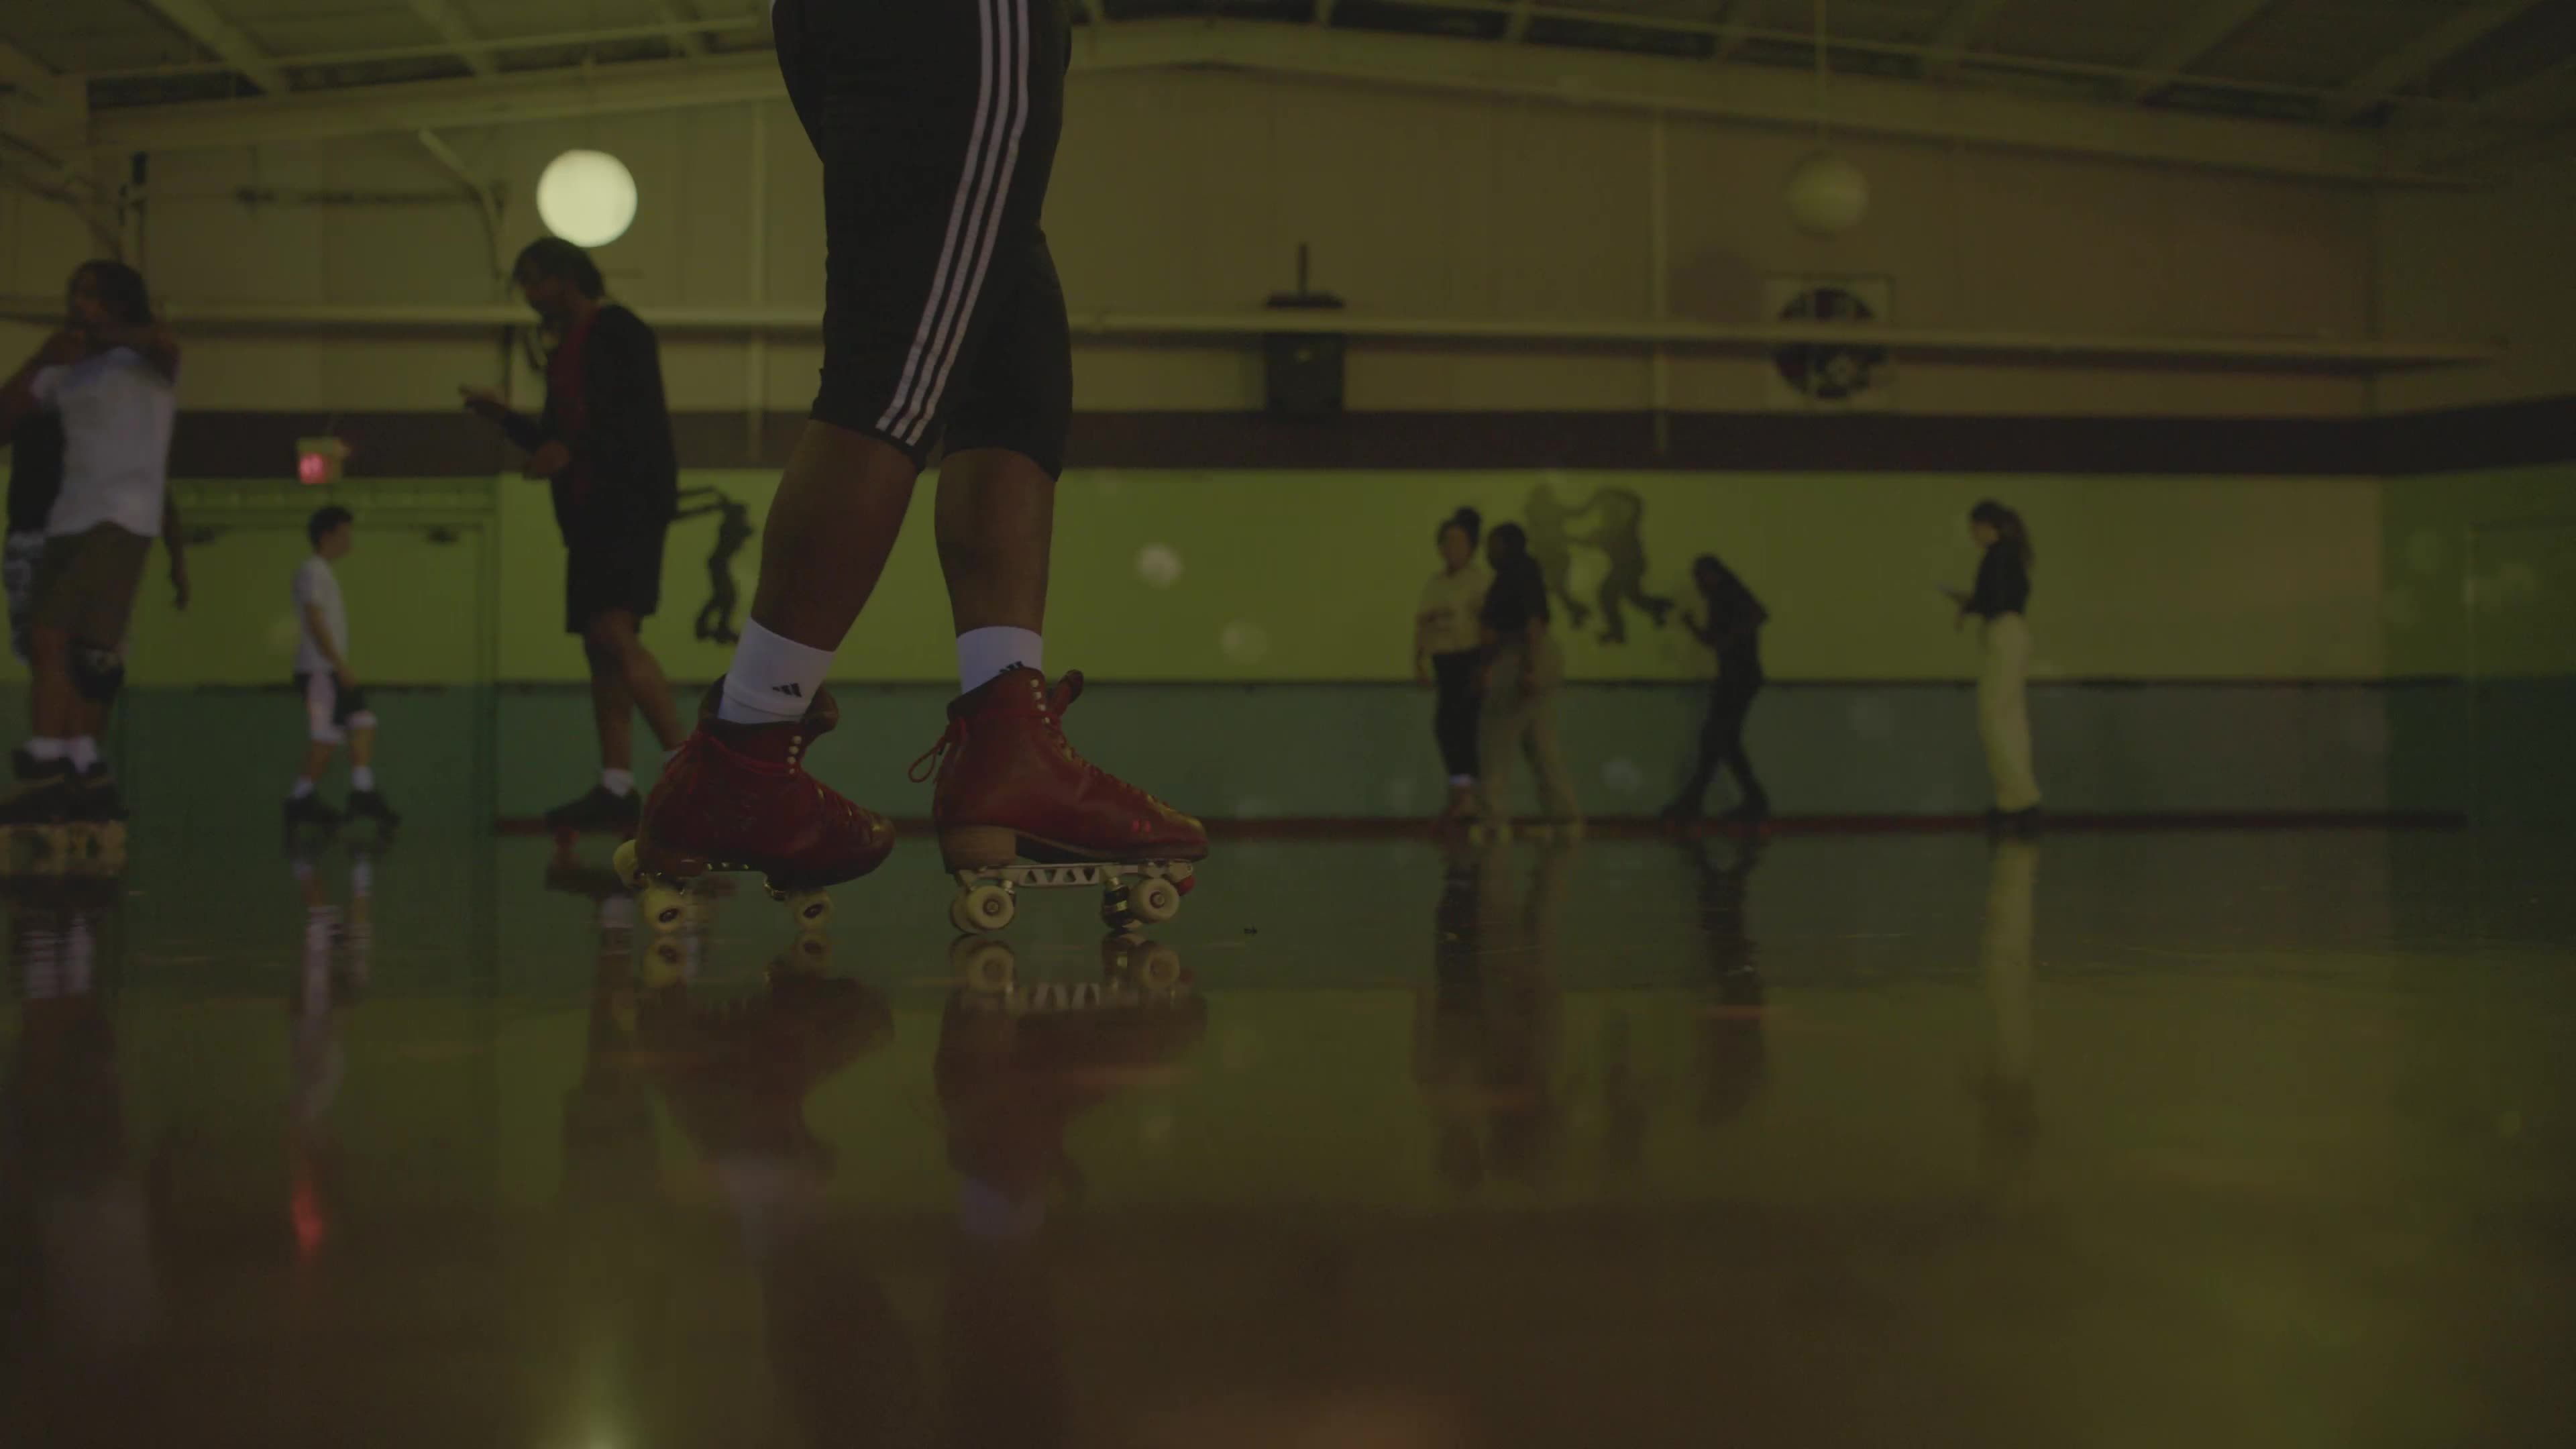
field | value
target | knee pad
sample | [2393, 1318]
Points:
[97, 673]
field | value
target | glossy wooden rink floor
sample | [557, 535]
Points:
[2259, 1139]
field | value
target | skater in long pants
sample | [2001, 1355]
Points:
[1523, 666]
[944, 329]
[111, 375]
[2002, 600]
[1734, 630]
[1448, 652]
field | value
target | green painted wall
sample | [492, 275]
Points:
[1267, 577]
[2481, 574]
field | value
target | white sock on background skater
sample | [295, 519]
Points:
[620, 783]
[82, 752]
[773, 678]
[361, 778]
[985, 653]
[47, 751]
[303, 791]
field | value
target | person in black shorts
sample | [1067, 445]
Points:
[604, 443]
[944, 328]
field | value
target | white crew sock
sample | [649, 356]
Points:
[362, 878]
[303, 790]
[362, 777]
[620, 783]
[773, 678]
[983, 654]
[82, 752]
[47, 751]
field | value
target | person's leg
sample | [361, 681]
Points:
[2003, 719]
[317, 758]
[2021, 780]
[996, 521]
[612, 709]
[54, 700]
[1498, 735]
[1547, 765]
[616, 643]
[1453, 724]
[1752, 799]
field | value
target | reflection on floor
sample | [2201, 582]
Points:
[2117, 1139]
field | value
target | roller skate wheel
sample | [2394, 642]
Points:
[623, 861]
[1153, 900]
[1156, 965]
[812, 910]
[665, 964]
[983, 908]
[986, 968]
[1115, 911]
[664, 908]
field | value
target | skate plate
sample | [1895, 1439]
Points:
[665, 904]
[1142, 893]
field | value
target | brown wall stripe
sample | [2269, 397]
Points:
[445, 445]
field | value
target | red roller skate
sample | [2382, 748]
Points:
[1011, 789]
[737, 798]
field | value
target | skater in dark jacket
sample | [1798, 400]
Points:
[1734, 629]
[604, 444]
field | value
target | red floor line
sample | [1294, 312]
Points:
[1635, 827]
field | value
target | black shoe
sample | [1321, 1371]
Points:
[46, 793]
[370, 805]
[598, 811]
[311, 810]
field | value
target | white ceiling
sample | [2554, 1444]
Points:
[2297, 60]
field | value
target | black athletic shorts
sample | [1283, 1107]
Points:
[943, 322]
[618, 571]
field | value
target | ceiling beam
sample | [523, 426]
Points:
[20, 71]
[453, 28]
[2203, 31]
[2416, 61]
[1963, 27]
[2527, 111]
[199, 21]
[1747, 95]
[683, 39]
[1736, 29]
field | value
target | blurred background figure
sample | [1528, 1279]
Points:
[1733, 629]
[614, 495]
[1523, 667]
[2001, 599]
[1447, 648]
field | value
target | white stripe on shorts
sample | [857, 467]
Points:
[981, 190]
[956, 339]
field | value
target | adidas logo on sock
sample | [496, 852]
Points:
[792, 691]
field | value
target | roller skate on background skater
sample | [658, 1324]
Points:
[736, 798]
[72, 821]
[1010, 789]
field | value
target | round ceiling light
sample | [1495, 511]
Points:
[587, 198]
